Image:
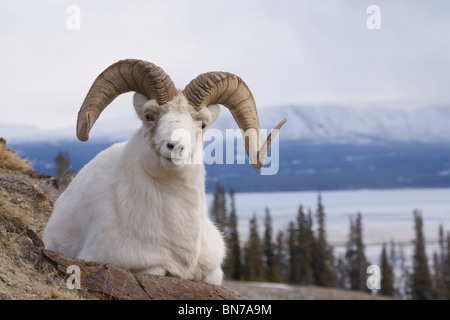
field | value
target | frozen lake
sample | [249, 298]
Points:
[386, 214]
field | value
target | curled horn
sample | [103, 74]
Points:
[121, 77]
[230, 91]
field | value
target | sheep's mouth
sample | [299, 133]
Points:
[168, 159]
[171, 160]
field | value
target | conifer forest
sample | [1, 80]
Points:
[300, 254]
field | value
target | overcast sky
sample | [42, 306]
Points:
[288, 52]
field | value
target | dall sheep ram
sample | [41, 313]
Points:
[141, 204]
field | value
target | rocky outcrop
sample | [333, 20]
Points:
[111, 282]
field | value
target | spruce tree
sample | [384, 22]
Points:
[64, 172]
[282, 256]
[356, 262]
[387, 275]
[233, 263]
[294, 264]
[253, 255]
[271, 264]
[444, 259]
[438, 277]
[439, 290]
[404, 281]
[446, 266]
[268, 247]
[305, 247]
[394, 260]
[219, 208]
[62, 163]
[421, 287]
[322, 256]
[392, 255]
[441, 240]
[341, 273]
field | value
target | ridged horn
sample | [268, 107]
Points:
[231, 91]
[121, 77]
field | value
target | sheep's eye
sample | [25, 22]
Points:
[203, 125]
[149, 117]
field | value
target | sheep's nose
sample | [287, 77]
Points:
[170, 145]
[177, 147]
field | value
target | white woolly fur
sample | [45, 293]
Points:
[133, 207]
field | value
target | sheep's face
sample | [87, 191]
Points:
[173, 132]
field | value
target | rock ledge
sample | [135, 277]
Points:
[110, 282]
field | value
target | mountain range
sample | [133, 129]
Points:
[326, 147]
[322, 124]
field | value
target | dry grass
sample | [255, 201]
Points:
[26, 202]
[10, 160]
[64, 295]
[13, 239]
[21, 199]
[10, 211]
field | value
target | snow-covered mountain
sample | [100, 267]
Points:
[315, 124]
[342, 124]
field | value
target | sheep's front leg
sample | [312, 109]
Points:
[212, 254]
[216, 277]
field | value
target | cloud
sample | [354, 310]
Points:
[288, 52]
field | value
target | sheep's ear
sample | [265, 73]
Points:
[142, 104]
[214, 111]
[138, 101]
